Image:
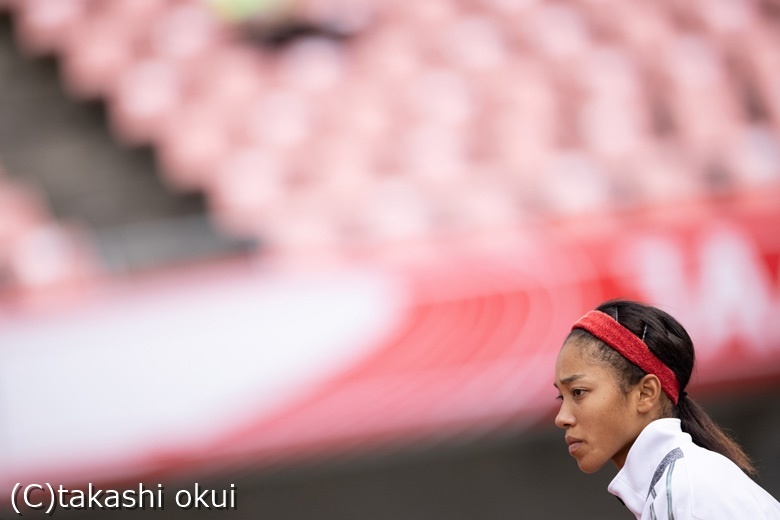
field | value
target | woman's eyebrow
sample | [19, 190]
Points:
[570, 379]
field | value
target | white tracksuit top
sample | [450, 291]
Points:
[666, 476]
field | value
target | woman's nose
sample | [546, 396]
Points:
[564, 418]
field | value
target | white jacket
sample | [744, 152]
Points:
[667, 476]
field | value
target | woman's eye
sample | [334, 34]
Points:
[559, 398]
[578, 392]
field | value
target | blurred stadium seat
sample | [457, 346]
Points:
[38, 253]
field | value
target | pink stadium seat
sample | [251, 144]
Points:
[395, 211]
[643, 27]
[504, 8]
[440, 96]
[230, 77]
[702, 99]
[250, 182]
[138, 13]
[425, 18]
[663, 173]
[192, 145]
[612, 114]
[114, 34]
[612, 131]
[35, 251]
[312, 64]
[390, 56]
[754, 156]
[96, 54]
[20, 210]
[344, 17]
[726, 19]
[365, 109]
[522, 124]
[185, 32]
[482, 203]
[305, 222]
[610, 71]
[43, 26]
[433, 153]
[340, 166]
[49, 256]
[559, 32]
[574, 184]
[762, 51]
[281, 119]
[146, 97]
[475, 43]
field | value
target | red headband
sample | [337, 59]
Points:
[605, 328]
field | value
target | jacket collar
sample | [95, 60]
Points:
[632, 483]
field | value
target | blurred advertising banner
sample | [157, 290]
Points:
[250, 367]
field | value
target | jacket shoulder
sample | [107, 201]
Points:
[710, 486]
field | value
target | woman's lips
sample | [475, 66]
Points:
[574, 443]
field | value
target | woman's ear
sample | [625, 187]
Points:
[649, 388]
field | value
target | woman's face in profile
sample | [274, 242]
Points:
[599, 419]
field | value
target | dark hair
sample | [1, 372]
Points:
[670, 343]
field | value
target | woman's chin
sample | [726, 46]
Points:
[588, 467]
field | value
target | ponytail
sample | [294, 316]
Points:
[707, 434]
